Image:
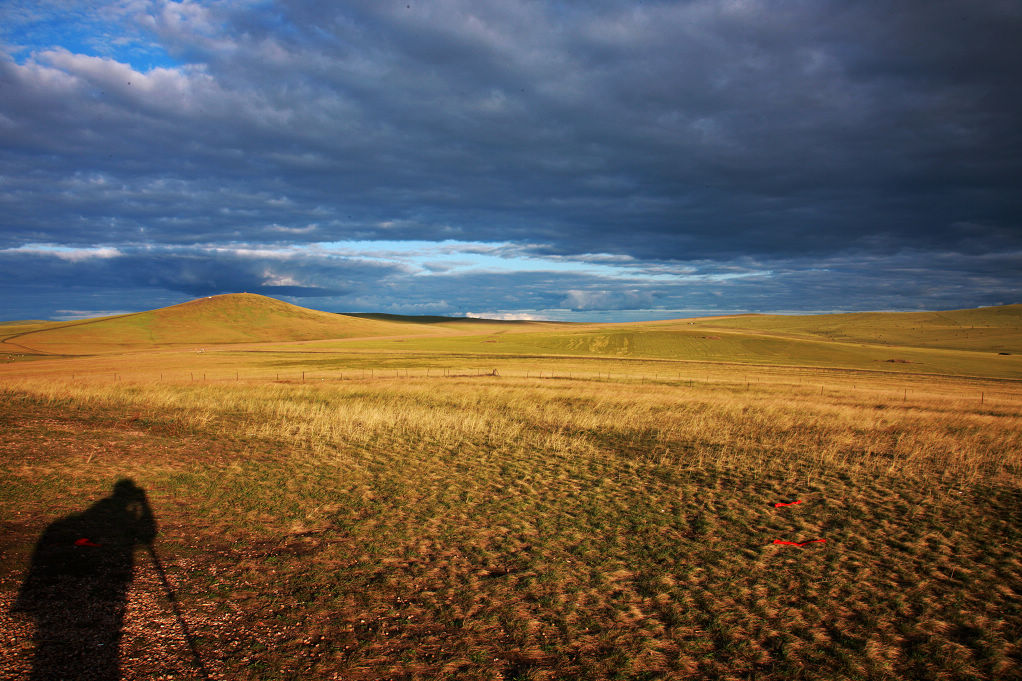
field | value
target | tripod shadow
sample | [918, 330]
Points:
[76, 587]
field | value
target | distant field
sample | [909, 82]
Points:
[686, 345]
[509, 501]
[991, 329]
[983, 342]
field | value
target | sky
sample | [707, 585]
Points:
[596, 160]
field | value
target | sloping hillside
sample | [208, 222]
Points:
[985, 329]
[981, 342]
[469, 324]
[232, 318]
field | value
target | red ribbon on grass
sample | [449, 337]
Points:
[788, 503]
[799, 544]
[85, 541]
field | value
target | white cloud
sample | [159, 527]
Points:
[70, 315]
[507, 316]
[308, 229]
[65, 253]
[273, 279]
[608, 299]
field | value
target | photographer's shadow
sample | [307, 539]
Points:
[77, 584]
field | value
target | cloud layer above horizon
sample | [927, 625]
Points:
[578, 160]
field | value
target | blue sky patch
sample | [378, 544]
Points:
[79, 28]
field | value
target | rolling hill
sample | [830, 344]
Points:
[983, 341]
[985, 329]
[231, 318]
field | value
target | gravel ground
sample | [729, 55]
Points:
[152, 641]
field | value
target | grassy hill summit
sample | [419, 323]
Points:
[229, 318]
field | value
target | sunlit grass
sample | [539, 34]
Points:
[759, 424]
[412, 514]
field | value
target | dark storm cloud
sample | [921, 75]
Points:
[187, 272]
[795, 134]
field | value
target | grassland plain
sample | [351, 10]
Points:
[987, 329]
[407, 512]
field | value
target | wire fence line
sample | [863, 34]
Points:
[905, 387]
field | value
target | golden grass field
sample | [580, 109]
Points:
[366, 498]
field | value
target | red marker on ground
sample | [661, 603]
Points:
[788, 503]
[799, 544]
[84, 541]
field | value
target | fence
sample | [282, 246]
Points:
[810, 381]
